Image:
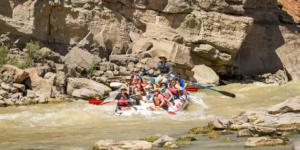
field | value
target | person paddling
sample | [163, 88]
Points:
[160, 103]
[167, 94]
[174, 88]
[179, 80]
[131, 90]
[151, 87]
[165, 69]
[123, 100]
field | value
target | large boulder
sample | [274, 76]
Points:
[288, 54]
[290, 105]
[39, 85]
[85, 93]
[205, 75]
[263, 141]
[123, 60]
[218, 123]
[82, 83]
[78, 59]
[18, 74]
[178, 54]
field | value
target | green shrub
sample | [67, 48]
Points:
[3, 55]
[57, 82]
[93, 66]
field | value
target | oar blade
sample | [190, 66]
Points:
[227, 94]
[171, 113]
[192, 89]
[105, 103]
[95, 101]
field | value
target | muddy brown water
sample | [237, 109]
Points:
[78, 125]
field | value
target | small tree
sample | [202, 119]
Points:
[32, 53]
[93, 66]
[3, 55]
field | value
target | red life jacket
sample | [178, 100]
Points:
[165, 94]
[123, 101]
[173, 89]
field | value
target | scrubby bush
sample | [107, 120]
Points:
[93, 66]
[3, 55]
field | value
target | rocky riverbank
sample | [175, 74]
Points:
[259, 128]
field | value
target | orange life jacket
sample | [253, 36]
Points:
[123, 101]
[177, 82]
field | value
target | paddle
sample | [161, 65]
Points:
[145, 72]
[192, 89]
[222, 92]
[97, 101]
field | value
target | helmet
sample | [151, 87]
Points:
[152, 79]
[128, 78]
[164, 83]
[136, 69]
[177, 74]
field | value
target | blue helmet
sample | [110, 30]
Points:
[152, 79]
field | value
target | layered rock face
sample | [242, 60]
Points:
[292, 8]
[231, 37]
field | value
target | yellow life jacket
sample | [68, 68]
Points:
[151, 88]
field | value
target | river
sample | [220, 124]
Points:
[78, 125]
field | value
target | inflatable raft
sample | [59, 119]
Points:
[143, 109]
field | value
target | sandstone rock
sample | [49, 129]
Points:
[218, 123]
[18, 74]
[296, 145]
[99, 73]
[3, 93]
[50, 78]
[15, 96]
[263, 141]
[78, 59]
[240, 125]
[60, 79]
[106, 66]
[176, 53]
[220, 6]
[162, 140]
[108, 144]
[31, 94]
[262, 131]
[289, 7]
[85, 93]
[109, 74]
[102, 79]
[290, 105]
[81, 83]
[244, 133]
[205, 76]
[43, 70]
[5, 86]
[55, 57]
[39, 85]
[2, 103]
[135, 36]
[21, 87]
[14, 90]
[288, 54]
[122, 60]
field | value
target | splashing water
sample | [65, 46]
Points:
[78, 125]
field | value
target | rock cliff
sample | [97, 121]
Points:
[233, 37]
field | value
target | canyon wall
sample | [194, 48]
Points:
[233, 37]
